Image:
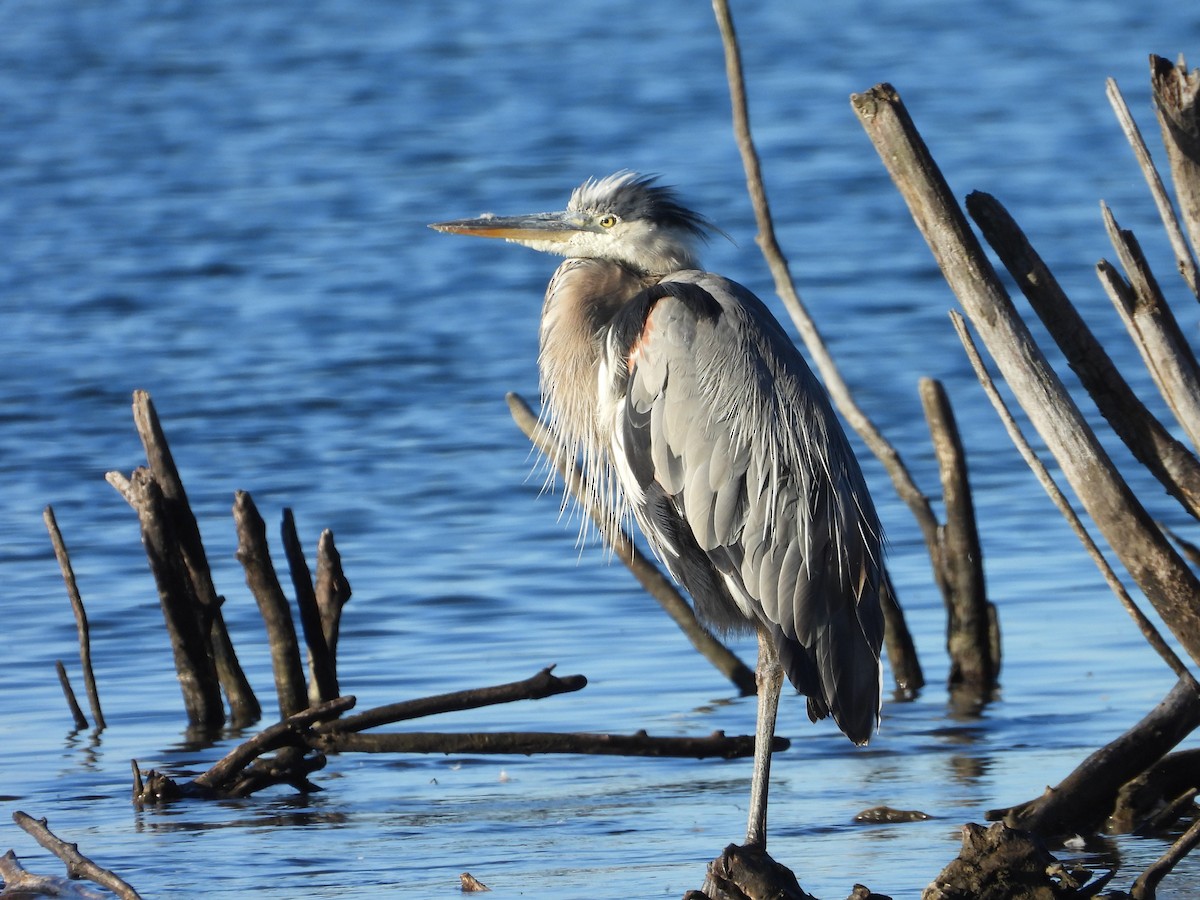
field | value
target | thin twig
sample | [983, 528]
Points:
[255, 558]
[81, 622]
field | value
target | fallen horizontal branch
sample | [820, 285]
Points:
[543, 684]
[529, 742]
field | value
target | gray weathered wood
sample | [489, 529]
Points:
[1150, 559]
[1154, 330]
[1151, 444]
[1177, 102]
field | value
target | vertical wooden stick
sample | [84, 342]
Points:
[81, 622]
[972, 637]
[255, 558]
[1177, 102]
[333, 592]
[322, 684]
[243, 705]
[181, 611]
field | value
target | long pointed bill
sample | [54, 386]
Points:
[556, 226]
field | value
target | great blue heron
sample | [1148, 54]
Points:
[688, 406]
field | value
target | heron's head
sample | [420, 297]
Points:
[626, 217]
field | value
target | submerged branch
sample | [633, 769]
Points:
[524, 743]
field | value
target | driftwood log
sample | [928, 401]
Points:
[18, 882]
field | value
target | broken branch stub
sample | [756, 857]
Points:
[187, 624]
[1177, 102]
[972, 629]
[243, 704]
[255, 558]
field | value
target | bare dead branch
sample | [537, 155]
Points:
[81, 622]
[643, 569]
[1149, 632]
[1185, 261]
[255, 558]
[1080, 803]
[524, 743]
[1149, 558]
[181, 612]
[69, 693]
[1151, 444]
[19, 882]
[901, 651]
[543, 684]
[78, 865]
[1146, 884]
[971, 633]
[322, 683]
[1155, 332]
[333, 592]
[221, 777]
[1177, 103]
[243, 704]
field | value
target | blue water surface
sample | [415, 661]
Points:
[225, 204]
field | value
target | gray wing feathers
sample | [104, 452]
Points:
[745, 446]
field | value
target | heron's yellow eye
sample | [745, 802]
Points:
[608, 221]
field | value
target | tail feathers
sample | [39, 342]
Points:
[842, 681]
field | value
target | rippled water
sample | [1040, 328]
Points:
[225, 204]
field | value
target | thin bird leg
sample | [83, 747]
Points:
[769, 677]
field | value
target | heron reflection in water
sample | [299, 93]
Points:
[689, 408]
